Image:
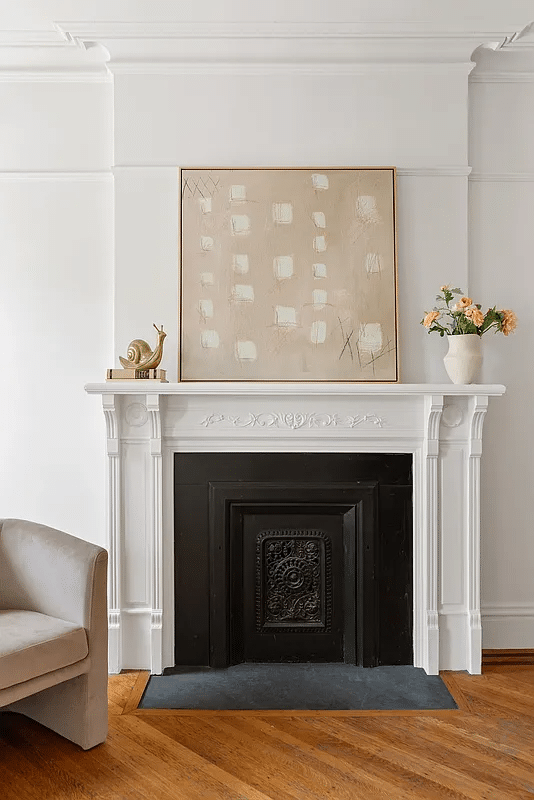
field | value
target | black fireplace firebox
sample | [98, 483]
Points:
[293, 557]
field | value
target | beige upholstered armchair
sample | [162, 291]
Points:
[53, 630]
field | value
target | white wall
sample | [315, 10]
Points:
[74, 297]
[272, 120]
[56, 262]
[501, 272]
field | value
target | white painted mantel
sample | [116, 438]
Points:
[441, 425]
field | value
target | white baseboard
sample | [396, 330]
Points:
[508, 626]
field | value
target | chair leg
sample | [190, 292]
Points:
[76, 709]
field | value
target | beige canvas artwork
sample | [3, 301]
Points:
[288, 275]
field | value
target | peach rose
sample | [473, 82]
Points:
[465, 302]
[444, 288]
[475, 315]
[430, 318]
[509, 322]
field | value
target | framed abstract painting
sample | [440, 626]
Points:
[288, 274]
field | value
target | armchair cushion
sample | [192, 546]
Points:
[33, 644]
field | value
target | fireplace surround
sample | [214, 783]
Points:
[439, 425]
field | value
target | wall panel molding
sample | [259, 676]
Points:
[507, 610]
[502, 177]
[251, 68]
[20, 176]
[53, 76]
[501, 77]
[404, 172]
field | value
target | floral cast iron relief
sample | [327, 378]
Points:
[293, 581]
[293, 421]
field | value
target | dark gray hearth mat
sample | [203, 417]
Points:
[309, 687]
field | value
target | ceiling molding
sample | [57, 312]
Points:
[85, 30]
[31, 38]
[175, 48]
[523, 37]
[157, 43]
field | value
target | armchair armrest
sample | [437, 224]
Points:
[45, 570]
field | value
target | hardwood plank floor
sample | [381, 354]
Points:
[482, 751]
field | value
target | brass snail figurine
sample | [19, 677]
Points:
[140, 355]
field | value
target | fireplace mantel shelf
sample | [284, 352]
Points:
[295, 389]
[149, 424]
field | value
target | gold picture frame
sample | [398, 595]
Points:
[288, 274]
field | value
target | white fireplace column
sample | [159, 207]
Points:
[441, 425]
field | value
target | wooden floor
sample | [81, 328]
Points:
[483, 750]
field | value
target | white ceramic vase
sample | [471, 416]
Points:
[464, 358]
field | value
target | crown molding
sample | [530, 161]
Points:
[87, 30]
[526, 44]
[174, 48]
[155, 45]
[44, 56]
[522, 38]
[31, 38]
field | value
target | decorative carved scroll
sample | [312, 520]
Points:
[293, 421]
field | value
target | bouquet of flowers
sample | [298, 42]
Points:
[464, 316]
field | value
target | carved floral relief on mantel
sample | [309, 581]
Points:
[292, 421]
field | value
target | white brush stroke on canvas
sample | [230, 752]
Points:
[373, 263]
[319, 181]
[242, 293]
[370, 338]
[319, 244]
[245, 351]
[320, 298]
[209, 339]
[283, 213]
[206, 243]
[319, 271]
[207, 279]
[285, 316]
[283, 267]
[318, 332]
[205, 205]
[366, 209]
[238, 193]
[205, 306]
[319, 219]
[239, 224]
[240, 263]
